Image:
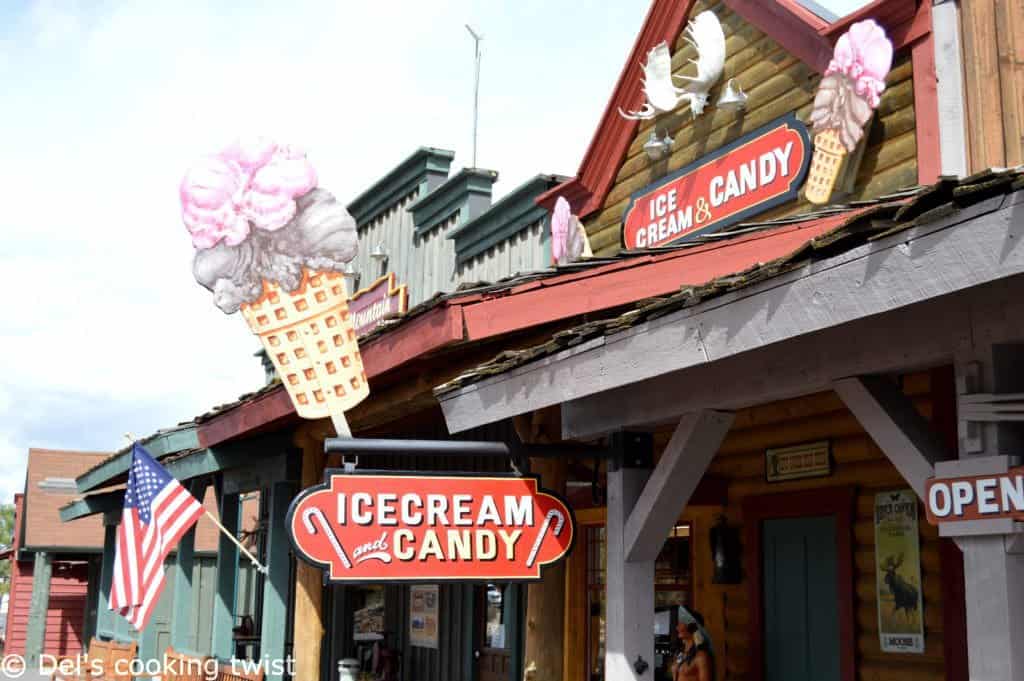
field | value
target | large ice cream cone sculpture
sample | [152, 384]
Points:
[847, 97]
[826, 163]
[309, 337]
[271, 243]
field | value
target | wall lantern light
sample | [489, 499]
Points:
[725, 553]
[658, 148]
[733, 98]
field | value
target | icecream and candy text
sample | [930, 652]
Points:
[422, 528]
[758, 171]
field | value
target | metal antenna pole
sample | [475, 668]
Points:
[476, 87]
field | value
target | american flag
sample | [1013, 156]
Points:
[157, 512]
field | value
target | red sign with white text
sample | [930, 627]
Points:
[758, 171]
[381, 527]
[976, 497]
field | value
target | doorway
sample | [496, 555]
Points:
[801, 611]
[800, 569]
[494, 634]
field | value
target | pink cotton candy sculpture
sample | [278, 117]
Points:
[251, 184]
[864, 55]
[568, 238]
[560, 228]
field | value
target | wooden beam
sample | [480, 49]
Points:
[545, 600]
[93, 504]
[224, 606]
[158, 445]
[104, 615]
[183, 617]
[926, 108]
[952, 104]
[929, 262]
[35, 632]
[889, 417]
[682, 465]
[309, 627]
[273, 630]
[629, 585]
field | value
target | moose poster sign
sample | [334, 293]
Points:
[898, 565]
[384, 527]
[760, 170]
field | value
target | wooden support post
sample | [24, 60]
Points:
[92, 600]
[309, 628]
[629, 604]
[545, 600]
[993, 565]
[227, 578]
[183, 629]
[906, 438]
[682, 465]
[104, 615]
[35, 633]
[273, 629]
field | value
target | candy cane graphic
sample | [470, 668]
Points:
[553, 513]
[307, 516]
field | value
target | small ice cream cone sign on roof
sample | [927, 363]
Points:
[847, 97]
[568, 237]
[272, 244]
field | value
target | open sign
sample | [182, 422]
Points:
[382, 527]
[976, 497]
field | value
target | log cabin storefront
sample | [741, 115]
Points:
[788, 412]
[743, 415]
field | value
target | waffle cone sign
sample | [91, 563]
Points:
[309, 337]
[380, 527]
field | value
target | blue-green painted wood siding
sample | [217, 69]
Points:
[801, 612]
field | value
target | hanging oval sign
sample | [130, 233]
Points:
[758, 171]
[376, 526]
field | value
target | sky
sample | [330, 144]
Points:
[104, 104]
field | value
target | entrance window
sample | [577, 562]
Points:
[494, 635]
[672, 587]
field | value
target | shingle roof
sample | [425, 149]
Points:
[865, 221]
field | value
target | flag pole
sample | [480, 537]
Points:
[230, 536]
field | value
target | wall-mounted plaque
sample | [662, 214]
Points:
[811, 460]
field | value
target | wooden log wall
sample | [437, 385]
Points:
[857, 461]
[993, 59]
[776, 83]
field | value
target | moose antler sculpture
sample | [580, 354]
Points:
[704, 32]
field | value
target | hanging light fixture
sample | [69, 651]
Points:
[733, 98]
[657, 148]
[378, 253]
[351, 276]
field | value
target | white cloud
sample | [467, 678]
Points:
[53, 22]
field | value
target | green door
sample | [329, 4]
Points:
[801, 608]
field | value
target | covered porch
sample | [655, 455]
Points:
[887, 327]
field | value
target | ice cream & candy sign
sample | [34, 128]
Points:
[758, 171]
[380, 527]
